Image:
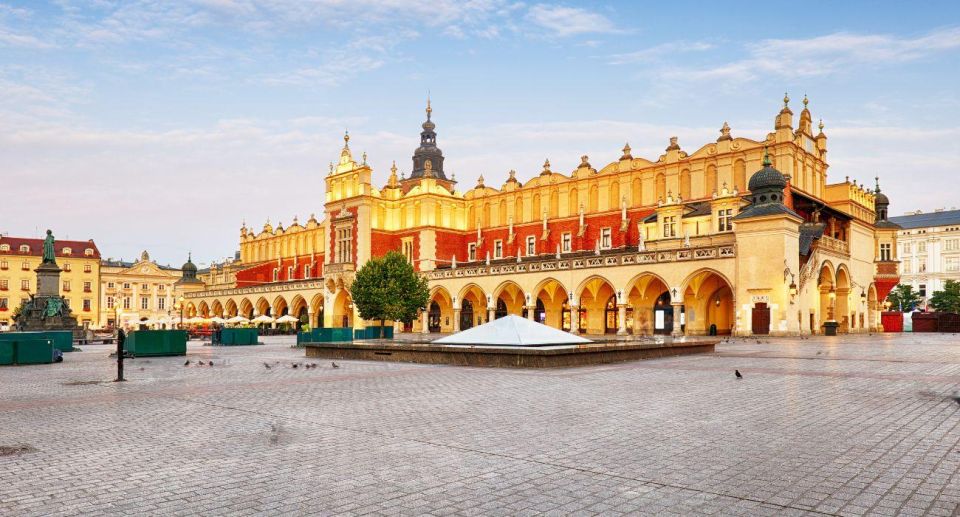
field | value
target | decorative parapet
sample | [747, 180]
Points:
[607, 259]
[313, 283]
[834, 245]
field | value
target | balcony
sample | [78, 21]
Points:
[834, 245]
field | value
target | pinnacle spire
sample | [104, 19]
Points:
[766, 157]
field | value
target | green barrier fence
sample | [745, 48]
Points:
[325, 335]
[62, 339]
[373, 333]
[7, 352]
[33, 351]
[238, 337]
[156, 342]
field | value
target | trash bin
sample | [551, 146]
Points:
[830, 328]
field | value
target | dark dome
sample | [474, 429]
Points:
[881, 199]
[767, 177]
[188, 266]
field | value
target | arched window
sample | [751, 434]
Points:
[614, 195]
[661, 187]
[740, 175]
[554, 204]
[685, 184]
[501, 310]
[636, 193]
[536, 206]
[710, 180]
[594, 198]
[573, 207]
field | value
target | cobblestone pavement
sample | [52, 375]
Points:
[859, 425]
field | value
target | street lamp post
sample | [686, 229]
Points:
[120, 340]
[180, 307]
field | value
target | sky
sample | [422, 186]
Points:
[164, 125]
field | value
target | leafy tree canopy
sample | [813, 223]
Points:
[388, 288]
[947, 300]
[903, 298]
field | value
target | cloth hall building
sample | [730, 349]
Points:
[737, 236]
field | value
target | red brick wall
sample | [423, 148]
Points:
[333, 234]
[263, 273]
[382, 242]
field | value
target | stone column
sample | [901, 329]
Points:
[424, 322]
[310, 318]
[574, 319]
[532, 313]
[622, 316]
[677, 331]
[456, 320]
[491, 314]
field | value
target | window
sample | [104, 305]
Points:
[566, 242]
[87, 287]
[531, 245]
[952, 264]
[725, 220]
[921, 247]
[88, 252]
[4, 247]
[67, 267]
[24, 248]
[922, 290]
[407, 248]
[922, 265]
[951, 245]
[67, 251]
[126, 285]
[4, 284]
[66, 285]
[498, 249]
[907, 266]
[605, 240]
[4, 304]
[24, 285]
[161, 287]
[110, 285]
[907, 248]
[289, 272]
[87, 268]
[344, 245]
[161, 303]
[144, 302]
[109, 302]
[126, 302]
[670, 226]
[276, 274]
[885, 251]
[307, 271]
[86, 304]
[4, 265]
[471, 251]
[25, 266]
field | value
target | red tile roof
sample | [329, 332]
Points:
[36, 247]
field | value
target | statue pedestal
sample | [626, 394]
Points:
[48, 280]
[47, 310]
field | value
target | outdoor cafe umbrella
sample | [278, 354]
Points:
[286, 318]
[217, 319]
[238, 319]
[263, 318]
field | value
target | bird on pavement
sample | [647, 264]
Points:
[818, 353]
[956, 397]
[335, 365]
[200, 363]
[737, 373]
[294, 365]
[187, 363]
[210, 363]
[266, 365]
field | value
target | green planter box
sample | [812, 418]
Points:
[143, 343]
[326, 335]
[6, 352]
[62, 339]
[373, 333]
[33, 351]
[239, 337]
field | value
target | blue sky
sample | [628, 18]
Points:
[162, 125]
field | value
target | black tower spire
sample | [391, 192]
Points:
[428, 151]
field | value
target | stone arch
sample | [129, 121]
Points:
[440, 311]
[190, 311]
[316, 305]
[216, 308]
[643, 297]
[509, 298]
[300, 310]
[472, 302]
[873, 308]
[594, 297]
[262, 306]
[552, 304]
[279, 306]
[708, 301]
[342, 309]
[843, 315]
[203, 310]
[826, 284]
[231, 309]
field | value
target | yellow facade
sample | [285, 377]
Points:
[79, 262]
[619, 249]
[140, 292]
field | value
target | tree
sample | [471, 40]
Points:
[903, 298]
[387, 288]
[947, 300]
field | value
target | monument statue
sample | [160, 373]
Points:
[49, 255]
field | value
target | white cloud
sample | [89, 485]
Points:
[664, 51]
[569, 21]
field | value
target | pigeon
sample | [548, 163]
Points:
[313, 365]
[737, 373]
[818, 353]
[294, 365]
[187, 363]
[956, 398]
[210, 363]
[335, 365]
[200, 363]
[266, 365]
[141, 368]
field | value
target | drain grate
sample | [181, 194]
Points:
[20, 448]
